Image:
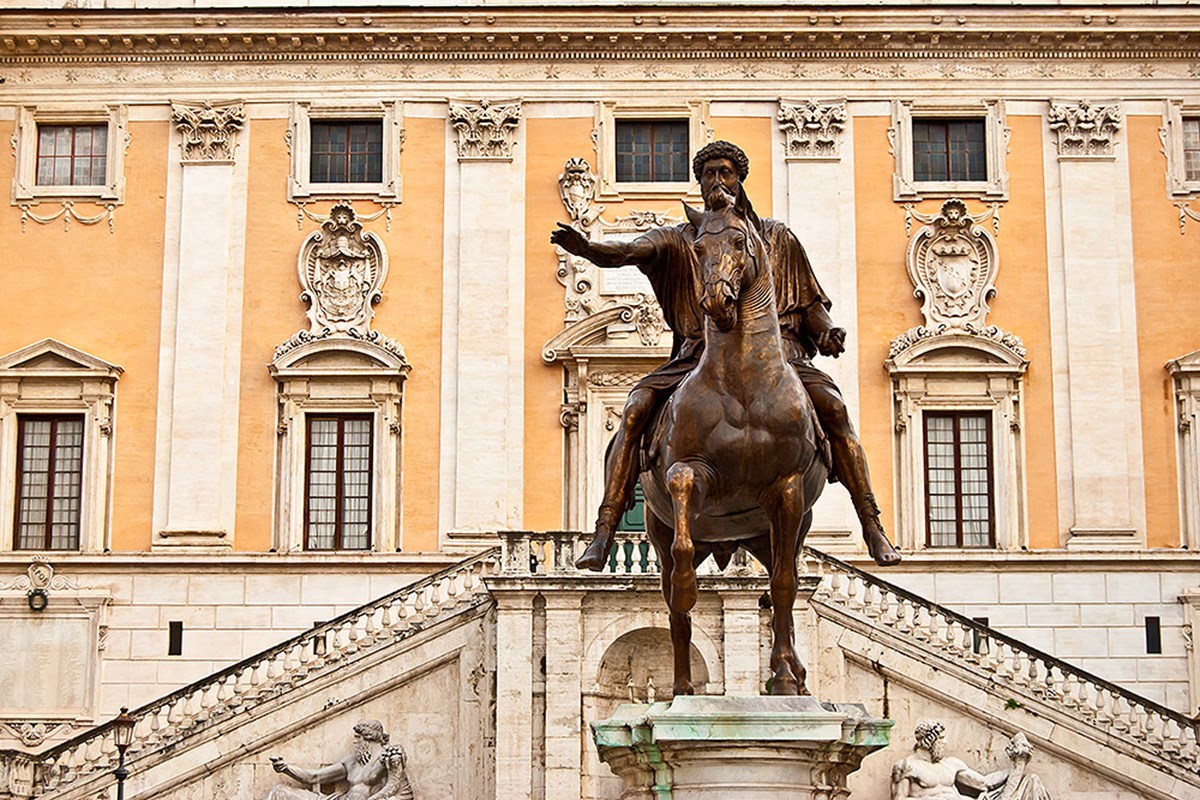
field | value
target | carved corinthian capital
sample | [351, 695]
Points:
[1084, 129]
[209, 130]
[812, 129]
[487, 129]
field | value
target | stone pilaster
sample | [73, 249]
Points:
[514, 694]
[201, 331]
[816, 163]
[483, 334]
[564, 658]
[1105, 504]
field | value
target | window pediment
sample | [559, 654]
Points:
[52, 356]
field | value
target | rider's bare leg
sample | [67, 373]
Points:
[850, 467]
[620, 477]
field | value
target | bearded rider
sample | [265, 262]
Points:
[664, 255]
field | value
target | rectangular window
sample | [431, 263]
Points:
[49, 482]
[72, 155]
[949, 150]
[337, 492]
[652, 151]
[346, 152]
[1191, 148]
[959, 507]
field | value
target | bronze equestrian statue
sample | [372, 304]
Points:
[806, 330]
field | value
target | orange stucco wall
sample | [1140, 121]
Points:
[886, 306]
[411, 312]
[102, 293]
[549, 143]
[753, 135]
[1168, 299]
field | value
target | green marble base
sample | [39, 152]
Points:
[749, 748]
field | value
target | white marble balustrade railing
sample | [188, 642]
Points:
[261, 677]
[553, 553]
[1025, 669]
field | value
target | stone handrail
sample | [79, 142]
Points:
[254, 680]
[1168, 734]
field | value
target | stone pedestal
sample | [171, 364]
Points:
[751, 748]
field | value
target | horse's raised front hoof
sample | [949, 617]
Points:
[595, 557]
[878, 546]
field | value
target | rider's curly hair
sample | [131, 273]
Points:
[722, 149]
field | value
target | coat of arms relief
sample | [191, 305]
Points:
[952, 263]
[341, 270]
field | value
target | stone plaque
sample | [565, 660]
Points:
[47, 665]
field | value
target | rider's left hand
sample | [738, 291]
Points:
[832, 342]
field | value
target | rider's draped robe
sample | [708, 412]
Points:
[674, 273]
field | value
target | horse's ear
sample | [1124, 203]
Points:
[695, 217]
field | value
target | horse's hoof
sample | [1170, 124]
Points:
[785, 685]
[684, 688]
[595, 557]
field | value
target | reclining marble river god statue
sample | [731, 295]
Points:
[374, 770]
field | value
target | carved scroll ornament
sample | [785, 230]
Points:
[209, 130]
[487, 129]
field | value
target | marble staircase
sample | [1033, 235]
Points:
[194, 731]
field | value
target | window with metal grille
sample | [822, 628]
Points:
[1191, 148]
[949, 150]
[49, 482]
[346, 152]
[652, 151]
[72, 155]
[337, 492]
[959, 507]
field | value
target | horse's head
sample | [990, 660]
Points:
[730, 253]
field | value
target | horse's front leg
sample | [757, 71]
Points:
[662, 537]
[784, 503]
[686, 485]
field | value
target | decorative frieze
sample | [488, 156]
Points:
[209, 130]
[1084, 128]
[487, 129]
[812, 130]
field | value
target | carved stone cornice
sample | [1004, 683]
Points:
[486, 130]
[697, 29]
[1084, 128]
[812, 130]
[209, 130]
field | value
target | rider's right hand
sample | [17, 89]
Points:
[569, 239]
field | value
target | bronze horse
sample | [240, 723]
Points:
[733, 459]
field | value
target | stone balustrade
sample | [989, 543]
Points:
[553, 554]
[241, 687]
[1023, 669]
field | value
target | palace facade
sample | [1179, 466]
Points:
[283, 333]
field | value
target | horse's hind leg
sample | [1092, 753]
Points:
[784, 503]
[686, 486]
[662, 537]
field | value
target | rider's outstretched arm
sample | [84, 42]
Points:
[639, 252]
